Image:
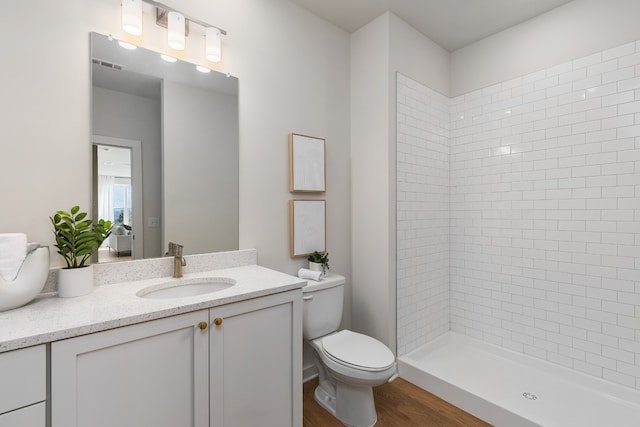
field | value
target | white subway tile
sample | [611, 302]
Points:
[629, 84]
[602, 67]
[616, 52]
[586, 127]
[618, 98]
[587, 60]
[617, 75]
[601, 91]
[618, 121]
[532, 189]
[618, 308]
[560, 69]
[589, 82]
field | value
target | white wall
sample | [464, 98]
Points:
[294, 77]
[378, 50]
[417, 57]
[576, 29]
[121, 115]
[370, 193]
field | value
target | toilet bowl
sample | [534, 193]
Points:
[349, 364]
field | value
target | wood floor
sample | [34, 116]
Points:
[399, 404]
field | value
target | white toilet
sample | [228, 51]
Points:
[349, 364]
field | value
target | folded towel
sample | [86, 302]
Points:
[13, 250]
[304, 273]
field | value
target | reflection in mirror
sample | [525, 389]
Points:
[176, 130]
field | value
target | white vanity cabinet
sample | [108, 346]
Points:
[23, 387]
[256, 362]
[185, 370]
[148, 374]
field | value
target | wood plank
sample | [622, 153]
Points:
[399, 404]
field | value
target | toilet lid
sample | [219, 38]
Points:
[358, 350]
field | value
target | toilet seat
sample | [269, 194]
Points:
[357, 351]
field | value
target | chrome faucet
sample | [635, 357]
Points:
[178, 260]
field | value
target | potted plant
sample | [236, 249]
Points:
[77, 238]
[319, 261]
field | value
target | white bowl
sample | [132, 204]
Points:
[29, 282]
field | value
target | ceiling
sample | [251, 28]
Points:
[452, 24]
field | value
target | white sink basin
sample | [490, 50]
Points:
[186, 288]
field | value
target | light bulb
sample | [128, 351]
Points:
[175, 25]
[132, 17]
[202, 69]
[168, 58]
[213, 46]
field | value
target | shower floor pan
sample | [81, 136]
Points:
[510, 389]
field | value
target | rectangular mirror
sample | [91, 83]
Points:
[165, 144]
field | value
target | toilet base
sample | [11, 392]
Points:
[353, 406]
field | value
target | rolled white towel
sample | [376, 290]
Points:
[13, 250]
[304, 273]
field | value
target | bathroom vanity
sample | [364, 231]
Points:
[228, 358]
[23, 389]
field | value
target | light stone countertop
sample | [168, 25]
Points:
[49, 318]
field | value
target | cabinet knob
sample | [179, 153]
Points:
[217, 321]
[202, 325]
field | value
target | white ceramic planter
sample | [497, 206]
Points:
[75, 282]
[316, 266]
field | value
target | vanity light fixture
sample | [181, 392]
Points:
[213, 48]
[132, 17]
[168, 58]
[176, 30]
[177, 24]
[202, 69]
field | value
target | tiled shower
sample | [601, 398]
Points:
[518, 214]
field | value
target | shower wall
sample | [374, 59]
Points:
[544, 216]
[422, 214]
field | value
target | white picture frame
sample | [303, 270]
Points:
[307, 171]
[307, 222]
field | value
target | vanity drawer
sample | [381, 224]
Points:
[31, 416]
[24, 378]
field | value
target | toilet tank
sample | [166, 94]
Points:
[322, 306]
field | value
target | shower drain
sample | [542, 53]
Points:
[529, 395]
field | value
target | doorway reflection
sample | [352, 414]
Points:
[115, 201]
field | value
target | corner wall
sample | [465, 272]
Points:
[379, 50]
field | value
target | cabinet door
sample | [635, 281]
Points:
[23, 377]
[31, 416]
[256, 362]
[149, 374]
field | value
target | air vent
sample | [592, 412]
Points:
[107, 64]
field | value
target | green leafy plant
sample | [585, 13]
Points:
[320, 258]
[77, 237]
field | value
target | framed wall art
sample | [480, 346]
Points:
[306, 163]
[307, 220]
